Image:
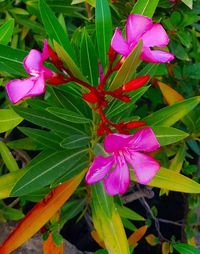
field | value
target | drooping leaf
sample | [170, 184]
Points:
[7, 157]
[6, 31]
[88, 59]
[171, 114]
[137, 235]
[40, 214]
[170, 180]
[128, 68]
[146, 8]
[54, 28]
[103, 25]
[168, 135]
[8, 120]
[47, 170]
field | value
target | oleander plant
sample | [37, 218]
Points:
[100, 125]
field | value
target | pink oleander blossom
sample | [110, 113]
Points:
[138, 28]
[125, 149]
[18, 89]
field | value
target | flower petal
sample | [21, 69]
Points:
[118, 43]
[156, 36]
[45, 51]
[156, 56]
[47, 72]
[145, 167]
[115, 142]
[136, 26]
[118, 179]
[39, 86]
[18, 89]
[99, 168]
[144, 140]
[33, 62]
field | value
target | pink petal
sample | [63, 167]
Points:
[136, 26]
[144, 140]
[115, 142]
[99, 168]
[156, 36]
[145, 167]
[156, 56]
[18, 89]
[39, 86]
[118, 43]
[33, 62]
[45, 51]
[118, 179]
[47, 72]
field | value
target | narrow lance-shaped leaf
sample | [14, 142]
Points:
[184, 248]
[103, 23]
[171, 114]
[6, 31]
[7, 157]
[89, 61]
[170, 180]
[47, 170]
[54, 28]
[40, 214]
[189, 3]
[146, 8]
[128, 68]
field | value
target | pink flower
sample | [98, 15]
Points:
[138, 28]
[18, 89]
[125, 149]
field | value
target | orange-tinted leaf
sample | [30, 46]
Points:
[96, 237]
[170, 95]
[137, 235]
[152, 239]
[49, 247]
[40, 214]
[192, 241]
[165, 248]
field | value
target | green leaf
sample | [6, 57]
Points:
[168, 135]
[171, 180]
[48, 169]
[6, 31]
[8, 120]
[12, 213]
[75, 141]
[128, 68]
[24, 144]
[191, 71]
[54, 28]
[68, 115]
[47, 120]
[68, 61]
[189, 3]
[127, 213]
[184, 248]
[7, 182]
[8, 158]
[45, 138]
[11, 60]
[102, 199]
[146, 8]
[89, 61]
[170, 115]
[103, 23]
[178, 160]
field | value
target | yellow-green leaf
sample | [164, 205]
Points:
[8, 158]
[8, 119]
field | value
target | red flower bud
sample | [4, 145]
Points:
[90, 97]
[134, 124]
[57, 79]
[135, 84]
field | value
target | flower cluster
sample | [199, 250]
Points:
[125, 149]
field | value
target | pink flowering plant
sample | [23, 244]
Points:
[93, 134]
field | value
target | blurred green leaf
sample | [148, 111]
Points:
[146, 8]
[8, 120]
[184, 248]
[6, 31]
[12, 213]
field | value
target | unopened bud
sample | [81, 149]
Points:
[134, 124]
[135, 84]
[90, 97]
